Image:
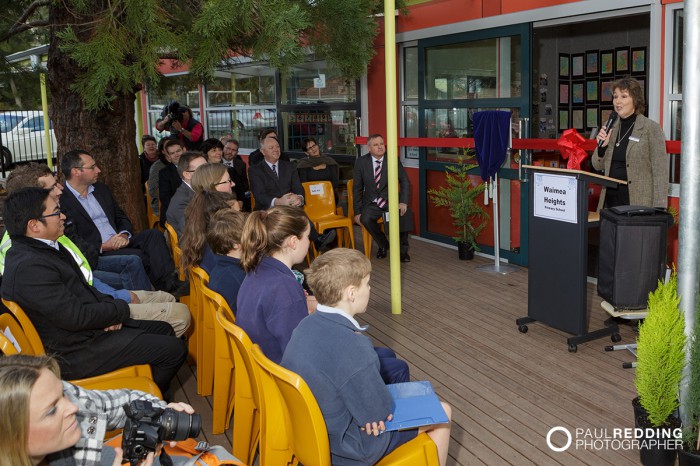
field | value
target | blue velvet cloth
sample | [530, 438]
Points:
[491, 136]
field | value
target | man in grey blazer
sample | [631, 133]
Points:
[189, 162]
[371, 195]
[276, 182]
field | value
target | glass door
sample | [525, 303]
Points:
[458, 76]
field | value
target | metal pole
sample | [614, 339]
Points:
[688, 244]
[392, 153]
[47, 124]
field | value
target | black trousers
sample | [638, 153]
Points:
[150, 246]
[156, 345]
[369, 216]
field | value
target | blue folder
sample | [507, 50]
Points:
[415, 405]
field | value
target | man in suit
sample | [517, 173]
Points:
[189, 162]
[90, 332]
[256, 156]
[143, 304]
[168, 178]
[99, 221]
[276, 182]
[371, 195]
[237, 170]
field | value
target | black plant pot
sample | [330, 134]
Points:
[466, 251]
[686, 458]
[653, 456]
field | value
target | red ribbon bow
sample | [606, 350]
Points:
[570, 144]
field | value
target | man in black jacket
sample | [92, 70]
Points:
[91, 333]
[101, 222]
[169, 179]
[276, 182]
[371, 195]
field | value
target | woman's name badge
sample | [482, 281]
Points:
[633, 139]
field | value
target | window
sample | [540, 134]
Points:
[313, 83]
[241, 103]
[473, 70]
[677, 75]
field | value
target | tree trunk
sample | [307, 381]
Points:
[109, 135]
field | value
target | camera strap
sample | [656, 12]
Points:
[164, 458]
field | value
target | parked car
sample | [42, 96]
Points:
[23, 136]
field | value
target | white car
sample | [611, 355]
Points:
[24, 138]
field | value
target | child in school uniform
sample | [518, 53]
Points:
[330, 352]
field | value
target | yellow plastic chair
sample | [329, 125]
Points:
[175, 250]
[246, 416]
[306, 428]
[275, 435]
[366, 237]
[223, 375]
[321, 209]
[198, 280]
[31, 336]
[153, 220]
[6, 346]
[132, 377]
[300, 414]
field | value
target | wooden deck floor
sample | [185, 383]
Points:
[507, 389]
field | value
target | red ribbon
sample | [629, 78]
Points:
[570, 144]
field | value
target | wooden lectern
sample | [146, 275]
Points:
[558, 252]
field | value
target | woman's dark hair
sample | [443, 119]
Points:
[635, 91]
[198, 215]
[306, 142]
[210, 144]
[265, 231]
[147, 137]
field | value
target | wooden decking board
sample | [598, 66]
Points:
[507, 408]
[511, 357]
[506, 389]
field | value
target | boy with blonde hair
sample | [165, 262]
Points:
[330, 352]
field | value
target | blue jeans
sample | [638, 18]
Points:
[122, 272]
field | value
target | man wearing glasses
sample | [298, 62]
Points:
[237, 170]
[189, 162]
[91, 332]
[99, 221]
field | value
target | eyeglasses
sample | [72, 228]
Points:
[229, 181]
[55, 214]
[92, 167]
[311, 147]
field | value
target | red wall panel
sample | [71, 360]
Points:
[512, 6]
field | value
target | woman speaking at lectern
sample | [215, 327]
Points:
[634, 150]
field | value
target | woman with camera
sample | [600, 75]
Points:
[44, 421]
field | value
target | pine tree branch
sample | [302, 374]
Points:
[21, 25]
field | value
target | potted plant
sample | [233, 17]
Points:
[660, 362]
[690, 454]
[461, 196]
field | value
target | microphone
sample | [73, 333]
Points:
[608, 125]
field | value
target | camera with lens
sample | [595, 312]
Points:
[176, 112]
[147, 426]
